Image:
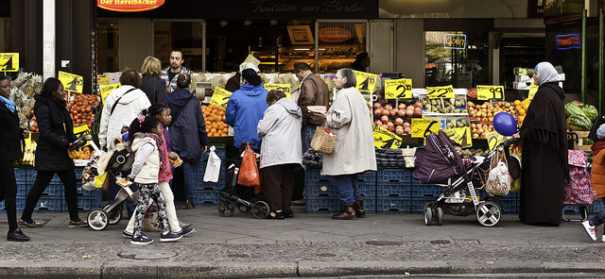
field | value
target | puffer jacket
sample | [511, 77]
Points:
[245, 108]
[56, 133]
[10, 135]
[281, 128]
[127, 109]
[150, 170]
[597, 174]
[187, 129]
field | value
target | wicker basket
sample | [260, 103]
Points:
[322, 141]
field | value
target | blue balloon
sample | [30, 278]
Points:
[505, 124]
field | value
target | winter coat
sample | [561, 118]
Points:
[172, 83]
[10, 135]
[128, 108]
[154, 87]
[187, 129]
[349, 119]
[597, 174]
[281, 128]
[151, 168]
[314, 92]
[245, 108]
[56, 133]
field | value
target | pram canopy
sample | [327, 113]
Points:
[437, 160]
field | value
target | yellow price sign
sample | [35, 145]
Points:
[286, 88]
[461, 136]
[102, 80]
[494, 139]
[9, 61]
[489, 92]
[398, 89]
[533, 89]
[441, 92]
[107, 89]
[384, 138]
[422, 127]
[71, 82]
[366, 82]
[220, 97]
[82, 130]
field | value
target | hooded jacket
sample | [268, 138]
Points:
[187, 129]
[244, 109]
[10, 135]
[281, 130]
[129, 106]
[146, 166]
[56, 133]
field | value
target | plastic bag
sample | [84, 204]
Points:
[499, 180]
[213, 168]
[248, 172]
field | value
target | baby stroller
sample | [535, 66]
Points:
[578, 190]
[118, 163]
[438, 163]
[242, 197]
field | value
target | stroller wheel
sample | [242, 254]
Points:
[226, 208]
[113, 216]
[260, 210]
[439, 215]
[488, 213]
[97, 220]
[244, 209]
[428, 214]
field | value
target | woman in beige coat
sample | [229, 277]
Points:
[349, 119]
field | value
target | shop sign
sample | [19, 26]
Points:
[568, 41]
[494, 139]
[398, 89]
[366, 82]
[533, 89]
[9, 62]
[105, 90]
[441, 92]
[461, 136]
[490, 92]
[129, 6]
[422, 127]
[71, 82]
[220, 97]
[102, 80]
[82, 130]
[334, 35]
[454, 41]
[284, 87]
[384, 138]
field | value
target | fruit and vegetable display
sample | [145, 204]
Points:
[580, 116]
[81, 107]
[485, 112]
[453, 105]
[397, 117]
[29, 155]
[83, 153]
[23, 89]
[215, 121]
[479, 131]
[521, 108]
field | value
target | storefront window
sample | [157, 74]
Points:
[186, 36]
[339, 43]
[108, 59]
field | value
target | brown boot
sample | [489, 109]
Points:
[359, 211]
[347, 214]
[148, 227]
[184, 225]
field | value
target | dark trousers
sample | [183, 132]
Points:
[278, 182]
[43, 178]
[599, 219]
[8, 192]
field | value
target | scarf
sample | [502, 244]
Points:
[546, 73]
[159, 142]
[597, 147]
[10, 105]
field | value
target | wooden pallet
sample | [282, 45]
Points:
[582, 135]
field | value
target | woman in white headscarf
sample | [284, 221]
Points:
[544, 144]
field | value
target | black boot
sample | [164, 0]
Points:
[17, 235]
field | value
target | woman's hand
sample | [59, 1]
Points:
[204, 149]
[173, 156]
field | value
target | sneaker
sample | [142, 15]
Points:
[603, 239]
[143, 239]
[127, 234]
[29, 223]
[17, 235]
[590, 230]
[77, 223]
[186, 231]
[170, 236]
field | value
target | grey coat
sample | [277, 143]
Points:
[281, 127]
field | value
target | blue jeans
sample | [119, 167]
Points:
[599, 219]
[346, 188]
[188, 181]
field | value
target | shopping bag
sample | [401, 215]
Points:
[213, 167]
[248, 171]
[499, 180]
[323, 140]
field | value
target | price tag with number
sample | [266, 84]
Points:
[422, 127]
[71, 82]
[441, 92]
[461, 136]
[220, 97]
[398, 89]
[366, 82]
[490, 92]
[105, 90]
[533, 89]
[384, 138]
[286, 88]
[494, 139]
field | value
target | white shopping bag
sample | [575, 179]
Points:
[213, 168]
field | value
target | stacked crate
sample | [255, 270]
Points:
[321, 196]
[394, 190]
[208, 193]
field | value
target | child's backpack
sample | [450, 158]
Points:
[578, 191]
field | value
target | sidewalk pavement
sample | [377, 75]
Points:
[307, 245]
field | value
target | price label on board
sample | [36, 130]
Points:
[398, 89]
[366, 82]
[384, 138]
[82, 130]
[71, 82]
[490, 92]
[102, 80]
[286, 88]
[461, 136]
[494, 139]
[441, 92]
[105, 90]
[9, 61]
[422, 127]
[533, 89]
[220, 97]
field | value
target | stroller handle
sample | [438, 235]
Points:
[82, 140]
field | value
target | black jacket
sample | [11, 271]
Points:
[155, 88]
[10, 135]
[56, 132]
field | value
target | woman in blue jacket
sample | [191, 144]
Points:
[188, 137]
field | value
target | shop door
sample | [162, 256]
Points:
[186, 35]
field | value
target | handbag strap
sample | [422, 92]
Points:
[118, 100]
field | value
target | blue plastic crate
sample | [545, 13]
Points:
[426, 191]
[394, 176]
[79, 171]
[315, 190]
[20, 205]
[23, 190]
[384, 190]
[25, 176]
[87, 203]
[393, 205]
[368, 178]
[419, 203]
[50, 204]
[510, 206]
[312, 175]
[323, 204]
[55, 190]
[221, 153]
[202, 198]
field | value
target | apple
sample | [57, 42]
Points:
[377, 105]
[406, 125]
[401, 112]
[386, 112]
[393, 112]
[409, 111]
[399, 130]
[384, 119]
[401, 106]
[407, 130]
[398, 121]
[378, 112]
[388, 106]
[418, 104]
[417, 112]
[390, 126]
[378, 122]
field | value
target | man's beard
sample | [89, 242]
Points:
[174, 66]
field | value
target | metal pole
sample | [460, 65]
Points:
[48, 39]
[600, 61]
[583, 56]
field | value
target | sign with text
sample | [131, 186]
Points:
[129, 6]
[454, 41]
[494, 139]
[71, 82]
[490, 92]
[9, 61]
[441, 92]
[398, 89]
[384, 138]
[366, 82]
[461, 136]
[82, 130]
[220, 97]
[105, 90]
[285, 87]
[422, 127]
